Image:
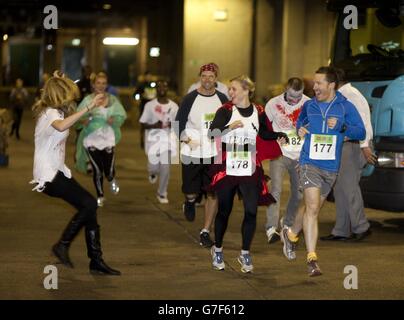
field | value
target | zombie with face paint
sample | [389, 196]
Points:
[324, 121]
[283, 111]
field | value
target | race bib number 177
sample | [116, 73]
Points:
[323, 146]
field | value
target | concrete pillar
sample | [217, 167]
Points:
[5, 62]
[92, 49]
[227, 43]
[293, 38]
[143, 46]
[268, 50]
[318, 35]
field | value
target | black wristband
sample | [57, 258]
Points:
[343, 128]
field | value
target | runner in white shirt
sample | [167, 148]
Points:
[194, 117]
[238, 124]
[160, 140]
[52, 176]
[220, 86]
[283, 112]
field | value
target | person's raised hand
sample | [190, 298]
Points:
[236, 124]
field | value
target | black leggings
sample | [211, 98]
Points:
[70, 191]
[17, 114]
[103, 162]
[225, 197]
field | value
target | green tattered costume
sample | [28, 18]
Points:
[115, 110]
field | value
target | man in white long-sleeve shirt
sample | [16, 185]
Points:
[351, 222]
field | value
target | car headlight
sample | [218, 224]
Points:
[390, 160]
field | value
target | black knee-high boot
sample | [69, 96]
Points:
[61, 249]
[97, 264]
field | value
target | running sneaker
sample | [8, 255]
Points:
[152, 178]
[313, 269]
[273, 235]
[89, 168]
[100, 201]
[283, 225]
[162, 199]
[289, 247]
[245, 262]
[205, 240]
[189, 210]
[114, 186]
[217, 259]
[199, 201]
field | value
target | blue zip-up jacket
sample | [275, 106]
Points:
[349, 125]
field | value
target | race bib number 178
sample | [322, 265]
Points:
[239, 163]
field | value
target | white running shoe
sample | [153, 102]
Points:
[100, 201]
[245, 262]
[162, 199]
[114, 186]
[152, 178]
[272, 235]
[217, 259]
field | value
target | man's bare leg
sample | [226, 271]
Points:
[210, 211]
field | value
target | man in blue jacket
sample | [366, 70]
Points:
[325, 121]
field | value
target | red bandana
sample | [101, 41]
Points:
[209, 67]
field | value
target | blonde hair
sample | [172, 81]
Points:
[100, 74]
[246, 84]
[59, 92]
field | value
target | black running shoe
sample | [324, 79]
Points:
[205, 240]
[189, 210]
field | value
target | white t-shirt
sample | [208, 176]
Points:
[220, 87]
[200, 117]
[158, 141]
[241, 163]
[283, 117]
[103, 137]
[50, 146]
[248, 131]
[354, 96]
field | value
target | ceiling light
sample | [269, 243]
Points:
[154, 52]
[113, 41]
[220, 15]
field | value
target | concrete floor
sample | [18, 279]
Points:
[157, 250]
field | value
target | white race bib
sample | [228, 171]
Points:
[240, 137]
[206, 121]
[239, 163]
[295, 142]
[322, 146]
